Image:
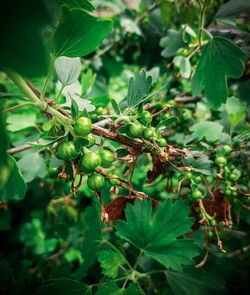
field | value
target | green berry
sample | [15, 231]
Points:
[149, 133]
[227, 149]
[220, 160]
[90, 161]
[198, 179]
[66, 151]
[162, 142]
[196, 194]
[146, 118]
[107, 158]
[83, 126]
[135, 130]
[96, 182]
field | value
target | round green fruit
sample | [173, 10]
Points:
[107, 158]
[198, 179]
[113, 181]
[149, 133]
[235, 175]
[99, 110]
[162, 142]
[66, 151]
[146, 118]
[90, 161]
[227, 149]
[135, 130]
[196, 194]
[189, 175]
[220, 160]
[83, 126]
[96, 182]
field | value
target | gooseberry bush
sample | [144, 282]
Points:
[124, 155]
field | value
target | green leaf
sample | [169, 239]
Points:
[79, 33]
[45, 140]
[63, 286]
[4, 143]
[110, 262]
[220, 59]
[201, 164]
[211, 131]
[195, 282]
[74, 91]
[83, 4]
[167, 121]
[233, 7]
[236, 110]
[74, 109]
[184, 65]
[115, 107]
[156, 233]
[16, 122]
[138, 88]
[22, 26]
[171, 43]
[87, 81]
[68, 69]
[32, 165]
[14, 187]
[111, 289]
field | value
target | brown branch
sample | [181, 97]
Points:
[16, 107]
[238, 252]
[117, 137]
[19, 149]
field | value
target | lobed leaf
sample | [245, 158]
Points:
[68, 69]
[211, 131]
[110, 262]
[156, 234]
[171, 43]
[138, 88]
[220, 59]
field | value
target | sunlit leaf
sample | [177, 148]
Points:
[67, 69]
[211, 131]
[32, 165]
[110, 262]
[236, 110]
[138, 88]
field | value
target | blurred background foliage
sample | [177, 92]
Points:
[46, 233]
